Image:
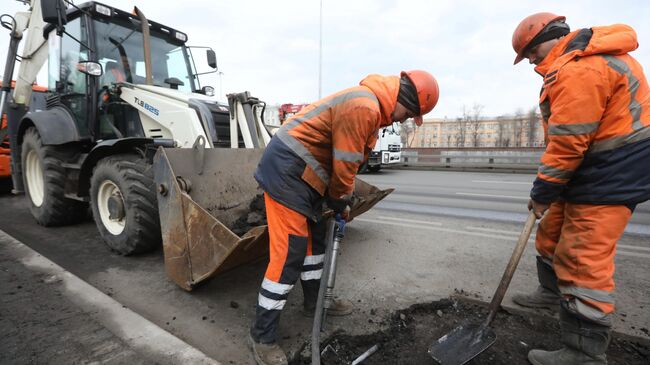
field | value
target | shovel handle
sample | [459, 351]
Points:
[510, 269]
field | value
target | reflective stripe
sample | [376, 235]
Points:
[276, 288]
[348, 156]
[547, 260]
[314, 259]
[270, 304]
[554, 172]
[635, 108]
[572, 129]
[332, 103]
[616, 142]
[311, 275]
[591, 294]
[593, 313]
[302, 151]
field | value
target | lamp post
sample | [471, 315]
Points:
[220, 84]
[320, 52]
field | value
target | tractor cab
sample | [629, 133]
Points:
[101, 47]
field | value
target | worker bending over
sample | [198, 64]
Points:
[313, 158]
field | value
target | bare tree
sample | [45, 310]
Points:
[533, 124]
[461, 123]
[472, 122]
[501, 132]
[518, 127]
[407, 133]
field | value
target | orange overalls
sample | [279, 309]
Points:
[316, 153]
[595, 105]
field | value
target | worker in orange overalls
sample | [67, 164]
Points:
[595, 105]
[314, 157]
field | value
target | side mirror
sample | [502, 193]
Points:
[54, 12]
[90, 68]
[207, 90]
[212, 59]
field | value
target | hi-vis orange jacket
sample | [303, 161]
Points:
[318, 151]
[595, 103]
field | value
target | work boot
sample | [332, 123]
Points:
[585, 342]
[547, 294]
[267, 353]
[338, 308]
[565, 356]
[540, 298]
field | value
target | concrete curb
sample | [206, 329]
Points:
[144, 336]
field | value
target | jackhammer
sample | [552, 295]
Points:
[335, 233]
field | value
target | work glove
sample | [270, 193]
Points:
[339, 206]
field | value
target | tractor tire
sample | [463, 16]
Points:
[124, 205]
[44, 178]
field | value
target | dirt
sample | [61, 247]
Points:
[408, 333]
[255, 216]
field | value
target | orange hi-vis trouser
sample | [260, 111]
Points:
[297, 250]
[580, 241]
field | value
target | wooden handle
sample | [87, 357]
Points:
[512, 266]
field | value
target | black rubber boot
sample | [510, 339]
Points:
[547, 294]
[585, 342]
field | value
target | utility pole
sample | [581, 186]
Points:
[320, 53]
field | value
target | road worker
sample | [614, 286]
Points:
[313, 158]
[595, 105]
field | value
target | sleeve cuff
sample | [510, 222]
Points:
[546, 192]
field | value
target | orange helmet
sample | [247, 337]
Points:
[528, 29]
[427, 89]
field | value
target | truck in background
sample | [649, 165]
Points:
[387, 151]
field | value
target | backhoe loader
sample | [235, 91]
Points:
[126, 128]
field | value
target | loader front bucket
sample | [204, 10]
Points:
[212, 211]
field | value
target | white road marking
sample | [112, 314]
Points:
[493, 230]
[631, 247]
[502, 182]
[485, 232]
[632, 254]
[438, 229]
[495, 196]
[410, 220]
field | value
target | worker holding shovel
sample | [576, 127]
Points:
[595, 105]
[314, 157]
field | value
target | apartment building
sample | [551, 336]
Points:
[507, 131]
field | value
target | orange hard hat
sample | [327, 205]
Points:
[427, 89]
[528, 29]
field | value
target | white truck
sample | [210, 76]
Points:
[387, 151]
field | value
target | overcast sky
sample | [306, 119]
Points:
[271, 48]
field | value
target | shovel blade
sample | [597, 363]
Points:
[462, 344]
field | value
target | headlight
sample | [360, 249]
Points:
[101, 9]
[181, 36]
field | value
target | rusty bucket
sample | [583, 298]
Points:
[203, 196]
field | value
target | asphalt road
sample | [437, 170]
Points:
[492, 196]
[439, 234]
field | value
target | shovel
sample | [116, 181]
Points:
[469, 340]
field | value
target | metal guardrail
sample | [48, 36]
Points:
[472, 160]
